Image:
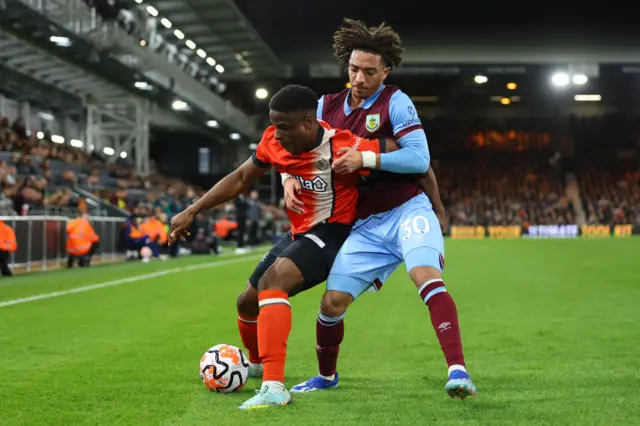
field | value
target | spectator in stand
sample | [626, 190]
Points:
[254, 216]
[242, 207]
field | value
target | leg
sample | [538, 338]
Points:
[253, 233]
[274, 326]
[4, 264]
[240, 235]
[363, 262]
[302, 265]
[92, 251]
[155, 248]
[248, 326]
[248, 306]
[422, 248]
[70, 261]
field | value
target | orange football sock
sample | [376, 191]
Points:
[248, 327]
[274, 325]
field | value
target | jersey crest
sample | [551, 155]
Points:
[373, 122]
[322, 164]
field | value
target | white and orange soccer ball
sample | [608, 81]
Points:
[224, 368]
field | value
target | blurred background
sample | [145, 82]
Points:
[125, 111]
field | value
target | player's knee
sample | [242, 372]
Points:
[247, 302]
[282, 275]
[335, 303]
[422, 274]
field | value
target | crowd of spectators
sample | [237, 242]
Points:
[523, 194]
[37, 175]
[480, 194]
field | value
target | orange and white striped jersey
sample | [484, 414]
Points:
[327, 196]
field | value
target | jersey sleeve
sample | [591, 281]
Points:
[403, 115]
[413, 157]
[260, 156]
[379, 146]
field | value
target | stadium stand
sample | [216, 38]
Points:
[41, 177]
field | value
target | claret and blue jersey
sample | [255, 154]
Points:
[396, 222]
[387, 113]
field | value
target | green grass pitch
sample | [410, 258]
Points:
[550, 327]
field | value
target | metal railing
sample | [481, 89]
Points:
[42, 240]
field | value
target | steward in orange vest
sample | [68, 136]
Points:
[81, 241]
[8, 245]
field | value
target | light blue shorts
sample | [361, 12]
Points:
[380, 243]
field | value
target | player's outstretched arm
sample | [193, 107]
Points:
[229, 187]
[232, 185]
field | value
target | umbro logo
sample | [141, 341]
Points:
[444, 326]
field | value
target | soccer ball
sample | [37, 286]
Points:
[224, 368]
[145, 252]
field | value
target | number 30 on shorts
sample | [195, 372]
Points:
[415, 225]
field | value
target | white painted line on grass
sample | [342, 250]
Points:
[126, 280]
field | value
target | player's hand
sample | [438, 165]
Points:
[349, 161]
[444, 222]
[179, 225]
[292, 189]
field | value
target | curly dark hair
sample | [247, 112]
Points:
[355, 35]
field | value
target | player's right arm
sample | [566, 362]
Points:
[232, 185]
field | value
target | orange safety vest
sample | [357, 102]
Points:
[155, 230]
[7, 238]
[80, 237]
[134, 232]
[224, 226]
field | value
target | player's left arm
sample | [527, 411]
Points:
[413, 157]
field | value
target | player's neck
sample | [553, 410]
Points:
[313, 144]
[355, 102]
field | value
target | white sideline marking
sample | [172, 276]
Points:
[125, 280]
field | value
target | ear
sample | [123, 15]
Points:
[307, 121]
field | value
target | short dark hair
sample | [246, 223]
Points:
[294, 98]
[355, 35]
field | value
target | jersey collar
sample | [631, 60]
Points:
[366, 104]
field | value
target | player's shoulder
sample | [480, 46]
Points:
[268, 140]
[268, 134]
[268, 143]
[333, 97]
[396, 95]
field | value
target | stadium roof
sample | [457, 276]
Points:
[221, 30]
[450, 32]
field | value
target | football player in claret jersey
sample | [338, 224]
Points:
[396, 220]
[305, 147]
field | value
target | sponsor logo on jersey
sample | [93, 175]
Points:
[410, 122]
[357, 144]
[317, 184]
[373, 122]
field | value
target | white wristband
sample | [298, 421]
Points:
[285, 176]
[369, 160]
